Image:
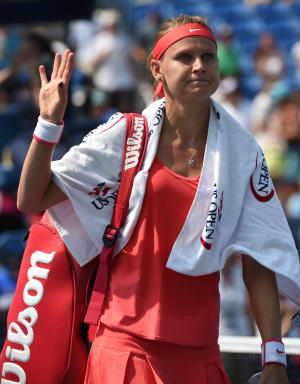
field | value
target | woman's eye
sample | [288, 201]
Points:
[208, 56]
[184, 57]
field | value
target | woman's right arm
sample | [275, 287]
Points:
[37, 191]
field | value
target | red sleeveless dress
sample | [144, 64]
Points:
[158, 326]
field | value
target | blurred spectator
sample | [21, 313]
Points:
[280, 141]
[295, 53]
[18, 113]
[109, 58]
[80, 32]
[288, 106]
[277, 128]
[147, 28]
[285, 123]
[231, 98]
[259, 108]
[35, 50]
[9, 115]
[268, 59]
[288, 119]
[99, 108]
[228, 55]
[20, 80]
[292, 209]
[145, 32]
[9, 43]
[10, 218]
[271, 93]
[92, 108]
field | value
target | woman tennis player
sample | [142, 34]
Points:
[203, 194]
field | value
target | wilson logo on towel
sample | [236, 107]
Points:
[134, 144]
[260, 181]
[213, 217]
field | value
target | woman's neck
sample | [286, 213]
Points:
[189, 123]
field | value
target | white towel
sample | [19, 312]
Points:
[235, 209]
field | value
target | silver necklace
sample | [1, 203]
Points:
[192, 159]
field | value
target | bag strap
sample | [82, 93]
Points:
[133, 155]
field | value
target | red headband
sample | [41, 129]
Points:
[171, 37]
[178, 33]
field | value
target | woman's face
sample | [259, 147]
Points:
[189, 69]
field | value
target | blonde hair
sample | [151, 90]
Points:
[168, 25]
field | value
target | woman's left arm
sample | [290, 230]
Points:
[262, 288]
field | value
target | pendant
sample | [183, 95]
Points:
[192, 162]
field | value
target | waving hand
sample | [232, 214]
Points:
[53, 95]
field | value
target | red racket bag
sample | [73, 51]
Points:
[43, 343]
[46, 337]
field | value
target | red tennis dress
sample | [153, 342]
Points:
[158, 326]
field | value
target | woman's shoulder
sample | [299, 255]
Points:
[232, 127]
[112, 131]
[114, 125]
[238, 141]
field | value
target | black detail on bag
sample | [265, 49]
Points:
[110, 235]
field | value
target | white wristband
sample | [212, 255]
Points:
[273, 352]
[46, 132]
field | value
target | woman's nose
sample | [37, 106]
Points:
[198, 64]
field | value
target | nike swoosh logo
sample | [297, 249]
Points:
[279, 351]
[193, 30]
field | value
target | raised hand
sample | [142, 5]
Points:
[53, 95]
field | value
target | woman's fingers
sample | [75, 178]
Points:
[68, 68]
[43, 75]
[63, 63]
[62, 68]
[56, 65]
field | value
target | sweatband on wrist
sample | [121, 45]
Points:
[47, 133]
[273, 352]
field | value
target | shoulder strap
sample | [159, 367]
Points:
[133, 155]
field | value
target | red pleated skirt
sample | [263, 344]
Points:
[120, 358]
